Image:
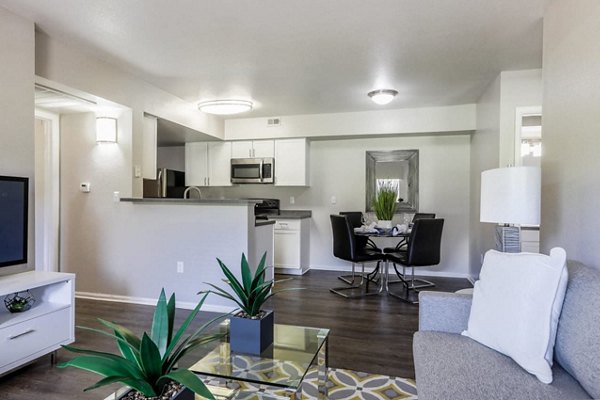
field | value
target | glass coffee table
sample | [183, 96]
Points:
[282, 367]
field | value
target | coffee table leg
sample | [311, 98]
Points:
[322, 374]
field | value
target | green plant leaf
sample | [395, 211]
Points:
[246, 274]
[128, 335]
[151, 360]
[260, 272]
[130, 366]
[183, 328]
[171, 317]
[226, 295]
[177, 354]
[189, 380]
[160, 324]
[99, 365]
[127, 351]
[113, 336]
[233, 282]
[106, 381]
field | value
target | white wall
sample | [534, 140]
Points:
[571, 130]
[68, 66]
[124, 250]
[458, 119]
[16, 103]
[484, 155]
[519, 89]
[338, 169]
[493, 144]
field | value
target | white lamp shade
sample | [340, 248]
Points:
[511, 195]
[106, 129]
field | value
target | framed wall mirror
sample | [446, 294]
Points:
[399, 168]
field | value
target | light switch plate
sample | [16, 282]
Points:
[85, 187]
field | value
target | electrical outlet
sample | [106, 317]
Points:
[180, 267]
[116, 197]
[333, 200]
[292, 200]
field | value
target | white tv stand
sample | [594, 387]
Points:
[49, 324]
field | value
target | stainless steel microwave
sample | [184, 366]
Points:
[252, 170]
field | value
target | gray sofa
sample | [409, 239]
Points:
[451, 366]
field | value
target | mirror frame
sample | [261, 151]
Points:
[411, 204]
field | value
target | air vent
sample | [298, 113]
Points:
[274, 122]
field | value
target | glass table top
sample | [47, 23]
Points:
[284, 364]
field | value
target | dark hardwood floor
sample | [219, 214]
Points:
[371, 334]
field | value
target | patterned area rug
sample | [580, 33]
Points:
[343, 385]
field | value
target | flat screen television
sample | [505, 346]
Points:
[14, 201]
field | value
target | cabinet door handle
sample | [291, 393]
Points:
[208, 181]
[18, 335]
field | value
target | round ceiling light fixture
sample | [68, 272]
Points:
[382, 96]
[225, 107]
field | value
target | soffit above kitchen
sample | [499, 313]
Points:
[304, 56]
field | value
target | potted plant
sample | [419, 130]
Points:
[385, 203]
[147, 363]
[251, 328]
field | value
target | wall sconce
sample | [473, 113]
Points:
[106, 130]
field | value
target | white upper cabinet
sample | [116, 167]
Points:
[149, 148]
[252, 148]
[196, 164]
[208, 164]
[292, 162]
[219, 163]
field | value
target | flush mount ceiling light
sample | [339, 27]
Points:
[225, 107]
[382, 96]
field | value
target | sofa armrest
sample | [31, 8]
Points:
[444, 312]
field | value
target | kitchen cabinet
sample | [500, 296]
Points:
[292, 162]
[208, 164]
[149, 147]
[196, 164]
[49, 323]
[291, 245]
[252, 149]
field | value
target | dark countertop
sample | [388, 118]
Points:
[291, 214]
[261, 222]
[190, 201]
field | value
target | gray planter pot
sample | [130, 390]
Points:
[251, 336]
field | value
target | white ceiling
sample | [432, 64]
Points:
[304, 56]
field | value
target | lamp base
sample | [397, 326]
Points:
[508, 239]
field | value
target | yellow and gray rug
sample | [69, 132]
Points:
[343, 384]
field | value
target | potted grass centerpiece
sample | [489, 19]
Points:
[147, 364]
[385, 203]
[251, 328]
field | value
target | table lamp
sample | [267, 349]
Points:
[510, 196]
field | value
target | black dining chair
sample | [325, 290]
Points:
[345, 248]
[402, 243]
[423, 249]
[362, 242]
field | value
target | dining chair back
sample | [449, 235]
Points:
[423, 249]
[345, 248]
[422, 216]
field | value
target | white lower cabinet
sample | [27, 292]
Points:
[49, 324]
[292, 245]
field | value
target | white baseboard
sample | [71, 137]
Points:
[186, 305]
[418, 271]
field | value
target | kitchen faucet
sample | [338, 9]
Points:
[187, 191]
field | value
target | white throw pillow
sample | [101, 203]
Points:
[516, 305]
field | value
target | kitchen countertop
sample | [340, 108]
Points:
[261, 222]
[190, 201]
[291, 214]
